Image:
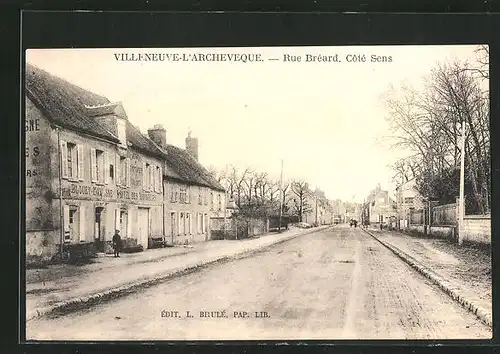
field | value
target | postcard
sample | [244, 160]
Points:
[258, 193]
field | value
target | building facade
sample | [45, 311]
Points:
[407, 199]
[88, 171]
[191, 197]
[381, 207]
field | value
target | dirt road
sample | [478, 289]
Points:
[335, 284]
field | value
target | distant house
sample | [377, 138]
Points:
[191, 195]
[381, 207]
[407, 199]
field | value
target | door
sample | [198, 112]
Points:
[74, 224]
[98, 232]
[123, 223]
[173, 228]
[143, 226]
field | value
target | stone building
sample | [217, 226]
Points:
[89, 171]
[191, 195]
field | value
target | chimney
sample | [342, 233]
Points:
[159, 135]
[192, 146]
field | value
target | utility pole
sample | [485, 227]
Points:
[461, 206]
[281, 196]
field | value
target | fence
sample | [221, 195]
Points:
[444, 215]
[237, 227]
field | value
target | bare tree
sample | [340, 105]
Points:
[427, 125]
[301, 191]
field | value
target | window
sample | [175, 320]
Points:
[205, 197]
[158, 179]
[199, 196]
[409, 200]
[212, 201]
[72, 212]
[220, 202]
[188, 221]
[183, 194]
[99, 164]
[72, 161]
[111, 172]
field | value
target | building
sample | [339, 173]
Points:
[191, 195]
[381, 207]
[407, 199]
[89, 171]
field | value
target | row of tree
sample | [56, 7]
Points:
[427, 123]
[257, 195]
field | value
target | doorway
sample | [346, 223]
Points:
[98, 229]
[143, 226]
[173, 223]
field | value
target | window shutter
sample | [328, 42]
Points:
[151, 178]
[64, 159]
[65, 217]
[117, 170]
[127, 161]
[144, 176]
[129, 223]
[160, 171]
[117, 220]
[93, 163]
[106, 167]
[79, 152]
[82, 224]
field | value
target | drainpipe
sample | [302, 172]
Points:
[61, 213]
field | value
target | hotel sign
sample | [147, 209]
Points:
[83, 190]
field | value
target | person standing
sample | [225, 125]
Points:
[117, 242]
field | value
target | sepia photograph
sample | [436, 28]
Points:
[258, 193]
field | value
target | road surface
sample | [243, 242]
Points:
[335, 284]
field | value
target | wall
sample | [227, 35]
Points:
[477, 229]
[38, 171]
[40, 242]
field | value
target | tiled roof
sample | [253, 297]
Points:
[182, 166]
[64, 103]
[76, 108]
[142, 143]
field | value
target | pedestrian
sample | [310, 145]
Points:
[117, 243]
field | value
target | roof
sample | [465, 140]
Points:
[182, 166]
[64, 103]
[76, 108]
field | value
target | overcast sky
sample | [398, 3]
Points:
[322, 119]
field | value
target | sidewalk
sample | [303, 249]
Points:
[61, 287]
[464, 272]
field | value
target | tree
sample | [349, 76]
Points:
[301, 191]
[427, 125]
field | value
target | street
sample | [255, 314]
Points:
[334, 284]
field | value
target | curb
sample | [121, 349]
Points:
[72, 305]
[480, 313]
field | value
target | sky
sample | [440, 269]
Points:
[323, 119]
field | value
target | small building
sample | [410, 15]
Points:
[381, 206]
[191, 195]
[407, 199]
[89, 171]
